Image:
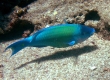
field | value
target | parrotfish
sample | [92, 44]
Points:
[61, 35]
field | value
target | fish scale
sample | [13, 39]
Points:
[57, 35]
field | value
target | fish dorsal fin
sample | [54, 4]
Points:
[50, 27]
[39, 31]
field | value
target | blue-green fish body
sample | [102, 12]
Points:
[62, 35]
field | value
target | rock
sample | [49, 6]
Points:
[92, 68]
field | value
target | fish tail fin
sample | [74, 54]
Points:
[17, 46]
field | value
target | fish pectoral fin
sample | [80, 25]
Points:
[71, 43]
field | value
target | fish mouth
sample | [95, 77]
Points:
[93, 31]
[88, 29]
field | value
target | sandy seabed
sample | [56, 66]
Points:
[89, 60]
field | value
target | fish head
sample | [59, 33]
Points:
[85, 33]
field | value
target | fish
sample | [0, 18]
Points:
[61, 35]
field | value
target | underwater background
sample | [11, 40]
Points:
[89, 60]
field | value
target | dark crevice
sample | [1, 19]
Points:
[6, 6]
[19, 29]
[24, 3]
[92, 15]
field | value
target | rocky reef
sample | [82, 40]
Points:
[40, 13]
